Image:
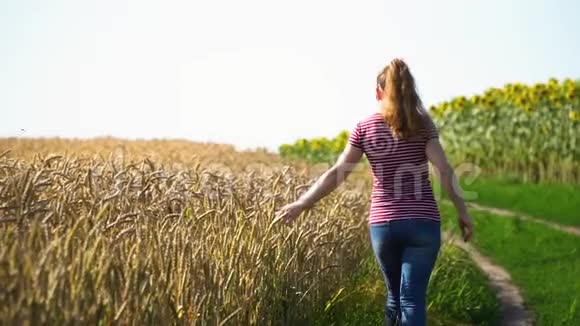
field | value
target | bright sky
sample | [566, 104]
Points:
[258, 72]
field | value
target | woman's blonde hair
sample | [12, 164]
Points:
[402, 107]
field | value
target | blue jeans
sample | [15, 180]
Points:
[406, 251]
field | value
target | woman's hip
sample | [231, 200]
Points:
[415, 231]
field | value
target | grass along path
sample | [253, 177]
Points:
[513, 311]
[556, 203]
[504, 212]
[543, 263]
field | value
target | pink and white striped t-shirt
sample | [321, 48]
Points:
[400, 170]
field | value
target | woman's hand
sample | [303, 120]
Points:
[465, 225]
[290, 212]
[323, 186]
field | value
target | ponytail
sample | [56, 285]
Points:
[402, 108]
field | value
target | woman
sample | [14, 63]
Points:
[404, 220]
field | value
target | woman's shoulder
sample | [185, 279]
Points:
[371, 118]
[427, 121]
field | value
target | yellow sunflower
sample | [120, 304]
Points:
[553, 82]
[520, 101]
[476, 99]
[568, 84]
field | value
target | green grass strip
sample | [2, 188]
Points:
[558, 203]
[543, 262]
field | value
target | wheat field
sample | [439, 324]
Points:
[166, 232]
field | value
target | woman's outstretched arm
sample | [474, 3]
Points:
[327, 182]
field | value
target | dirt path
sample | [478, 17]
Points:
[513, 312]
[504, 212]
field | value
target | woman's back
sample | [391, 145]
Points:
[401, 185]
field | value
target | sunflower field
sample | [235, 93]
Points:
[528, 132]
